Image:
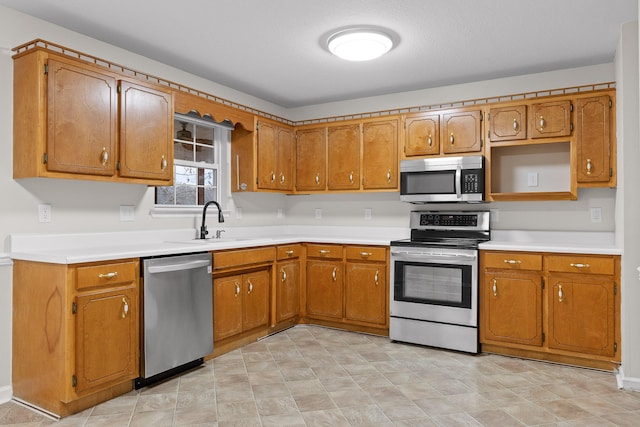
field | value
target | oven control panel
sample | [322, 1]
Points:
[456, 220]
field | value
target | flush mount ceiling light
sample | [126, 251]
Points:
[359, 44]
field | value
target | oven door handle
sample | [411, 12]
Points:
[424, 255]
[458, 182]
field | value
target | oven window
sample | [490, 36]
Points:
[428, 182]
[427, 283]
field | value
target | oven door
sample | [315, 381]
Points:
[435, 284]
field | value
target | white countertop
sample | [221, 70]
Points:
[90, 247]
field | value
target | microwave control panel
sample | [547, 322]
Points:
[472, 181]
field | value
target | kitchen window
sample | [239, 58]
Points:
[201, 165]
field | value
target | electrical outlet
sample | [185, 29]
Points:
[596, 214]
[318, 213]
[127, 213]
[44, 212]
[532, 179]
[367, 214]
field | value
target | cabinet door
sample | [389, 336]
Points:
[288, 290]
[107, 329]
[267, 156]
[593, 139]
[380, 155]
[550, 119]
[422, 135]
[344, 157]
[365, 293]
[81, 120]
[511, 308]
[256, 299]
[146, 132]
[461, 132]
[285, 158]
[227, 307]
[324, 288]
[311, 159]
[581, 314]
[508, 123]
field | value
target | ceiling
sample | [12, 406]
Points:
[276, 50]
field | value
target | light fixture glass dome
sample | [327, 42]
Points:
[359, 44]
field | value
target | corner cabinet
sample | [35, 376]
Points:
[549, 306]
[76, 333]
[90, 123]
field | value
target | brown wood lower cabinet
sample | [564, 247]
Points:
[558, 307]
[75, 333]
[287, 284]
[347, 287]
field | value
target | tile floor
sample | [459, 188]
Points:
[314, 376]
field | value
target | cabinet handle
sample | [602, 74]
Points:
[108, 275]
[589, 167]
[273, 177]
[515, 125]
[579, 265]
[389, 175]
[324, 251]
[542, 123]
[333, 274]
[451, 138]
[494, 288]
[250, 287]
[560, 294]
[351, 178]
[163, 164]
[512, 261]
[289, 252]
[281, 178]
[430, 140]
[376, 277]
[284, 275]
[318, 178]
[125, 307]
[237, 289]
[104, 156]
[365, 254]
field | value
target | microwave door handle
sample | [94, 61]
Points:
[458, 182]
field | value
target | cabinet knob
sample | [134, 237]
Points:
[125, 307]
[273, 177]
[589, 167]
[104, 156]
[289, 252]
[579, 265]
[389, 175]
[318, 179]
[163, 164]
[560, 294]
[515, 125]
[351, 177]
[451, 138]
[494, 288]
[282, 179]
[542, 123]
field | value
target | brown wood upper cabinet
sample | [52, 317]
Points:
[380, 154]
[453, 131]
[276, 156]
[551, 119]
[343, 159]
[311, 159]
[507, 123]
[90, 123]
[594, 136]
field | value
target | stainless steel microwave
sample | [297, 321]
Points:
[442, 179]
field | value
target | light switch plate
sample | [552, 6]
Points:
[596, 214]
[318, 213]
[367, 214]
[127, 213]
[532, 179]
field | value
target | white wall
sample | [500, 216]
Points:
[79, 206]
[628, 201]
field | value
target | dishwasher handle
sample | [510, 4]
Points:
[189, 265]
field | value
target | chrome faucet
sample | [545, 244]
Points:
[203, 227]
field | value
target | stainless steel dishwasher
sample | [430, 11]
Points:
[178, 315]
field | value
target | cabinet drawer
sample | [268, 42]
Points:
[324, 251]
[243, 257]
[366, 253]
[289, 251]
[581, 264]
[106, 274]
[513, 261]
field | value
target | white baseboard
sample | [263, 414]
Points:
[5, 393]
[627, 383]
